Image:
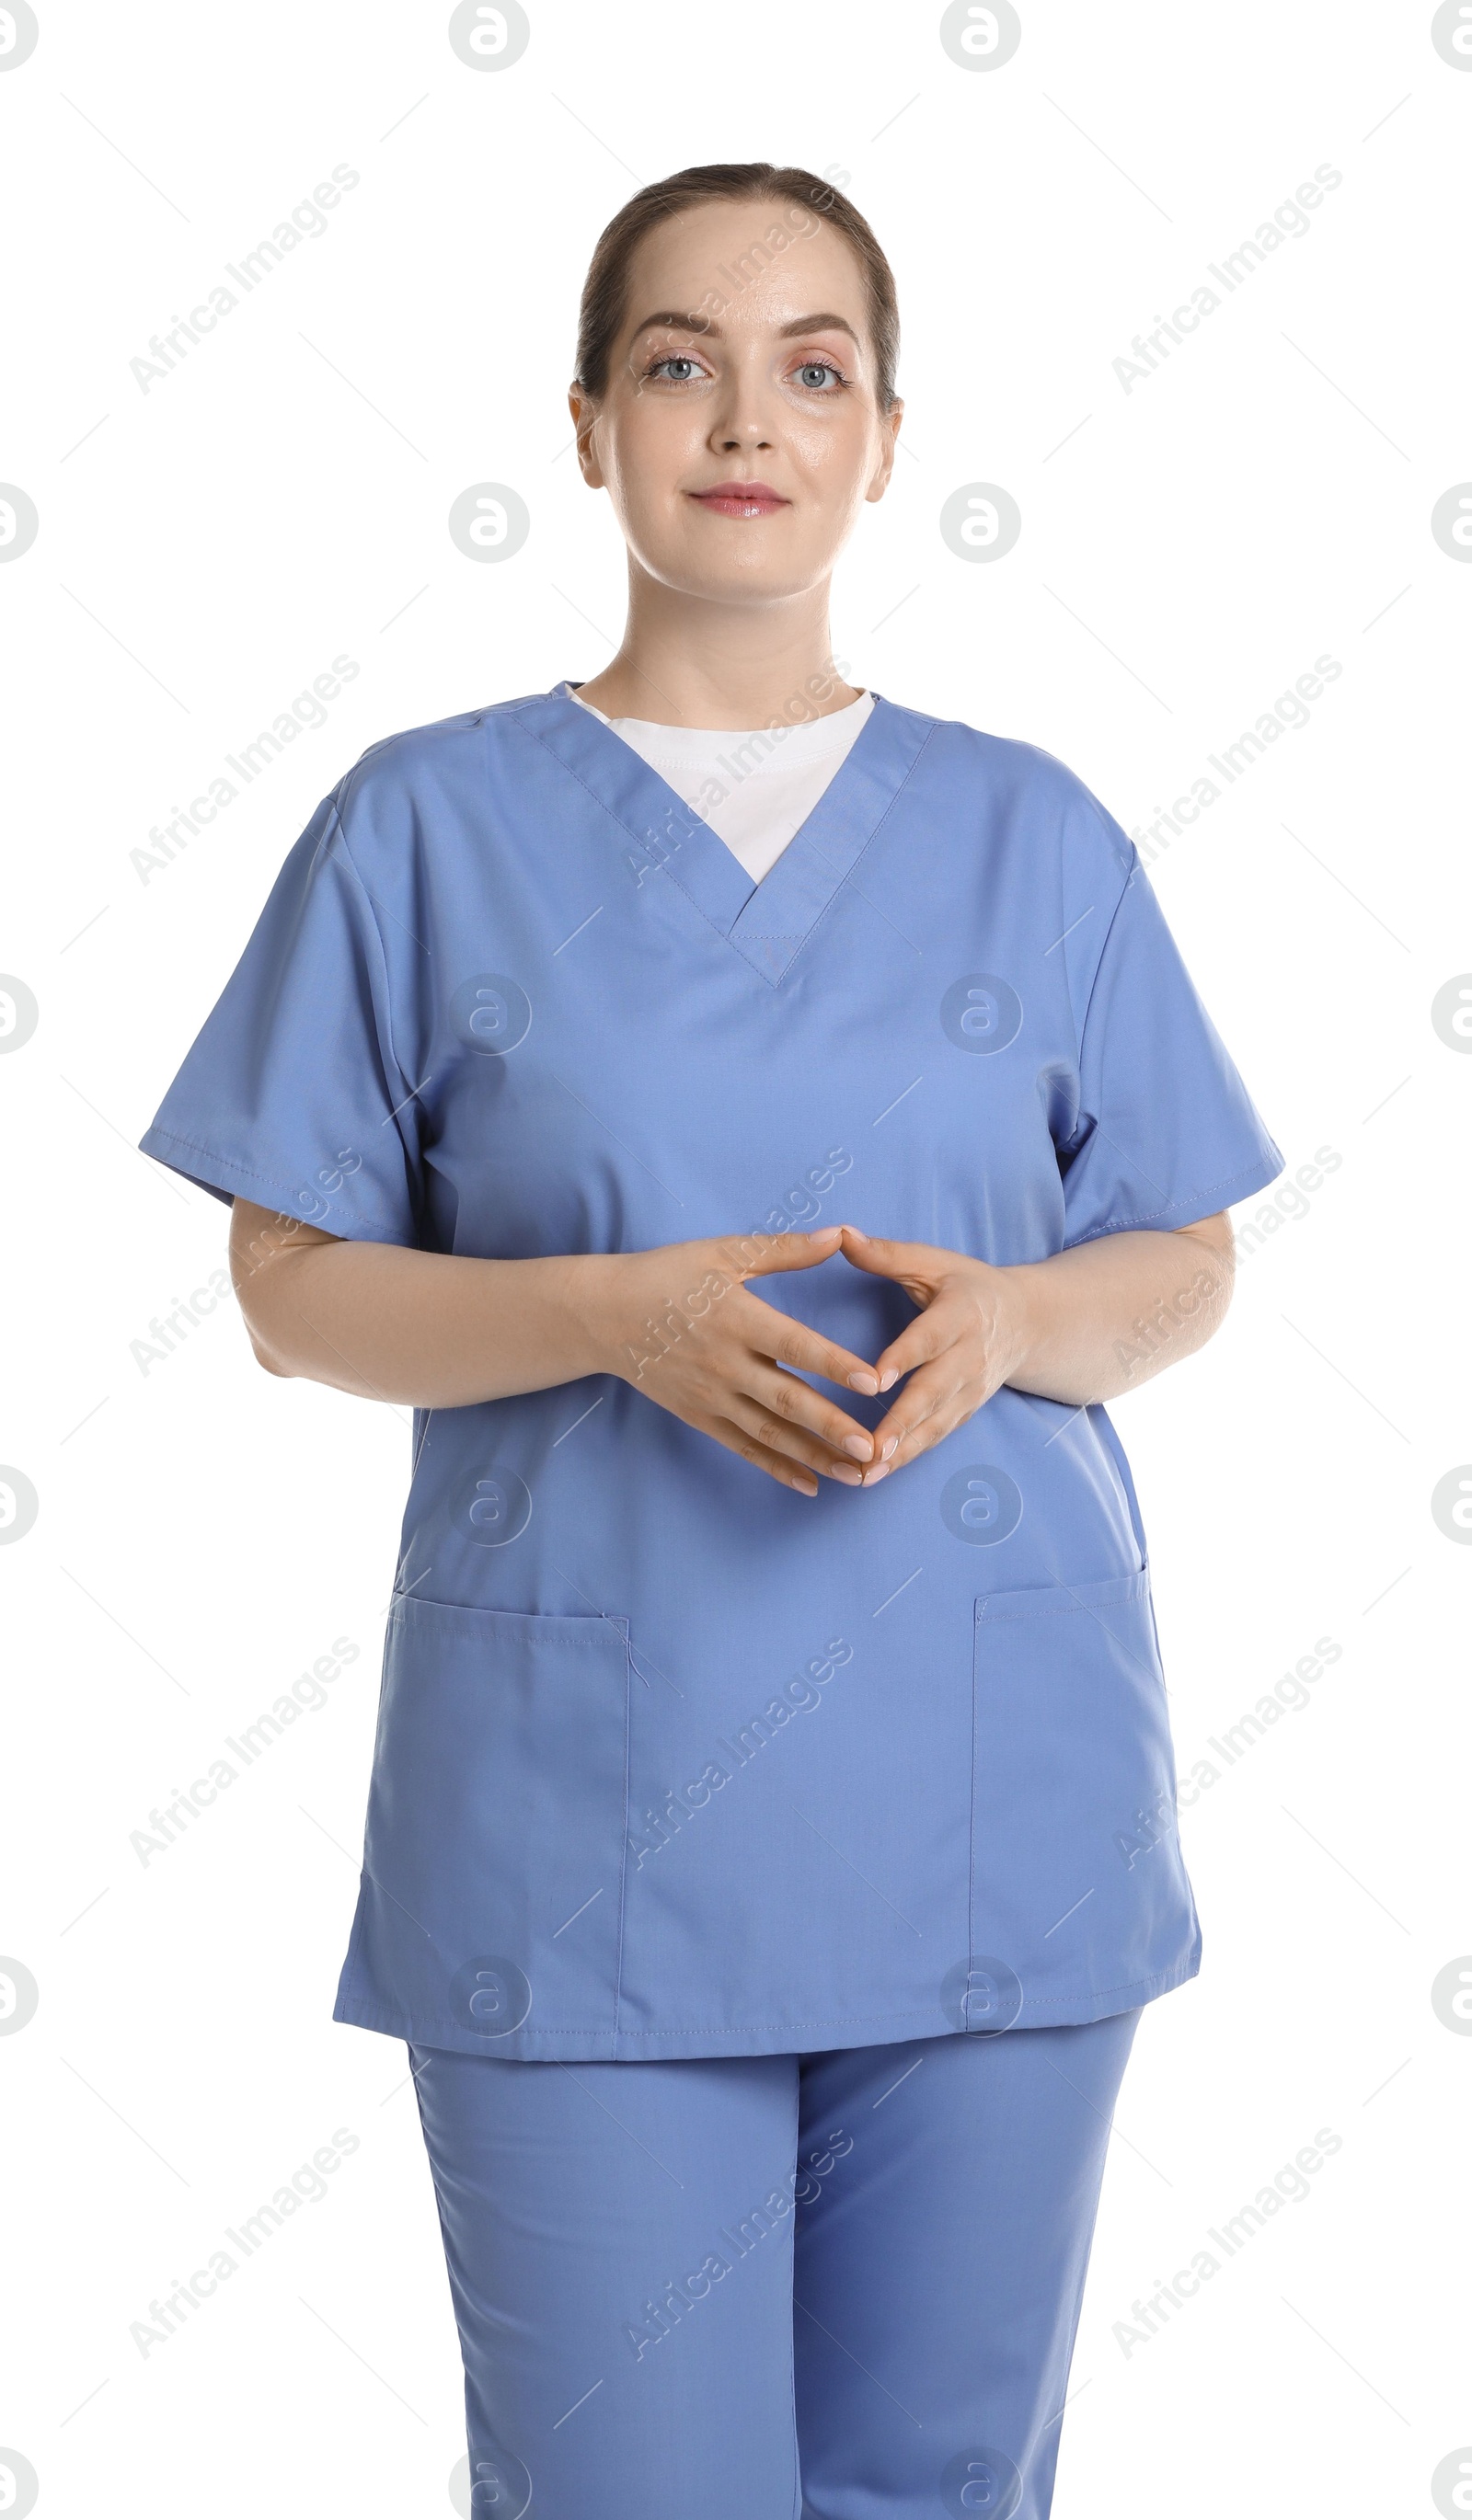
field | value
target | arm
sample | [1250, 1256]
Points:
[679, 1323]
[1078, 1327]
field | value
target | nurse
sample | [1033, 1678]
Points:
[757, 1125]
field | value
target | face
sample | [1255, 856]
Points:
[739, 435]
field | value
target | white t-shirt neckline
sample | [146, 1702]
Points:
[753, 785]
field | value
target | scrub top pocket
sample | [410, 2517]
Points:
[1078, 1880]
[491, 1896]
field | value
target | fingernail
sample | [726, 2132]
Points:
[847, 1477]
[880, 1471]
[863, 1382]
[855, 1230]
[893, 1446]
[888, 1380]
[860, 1446]
[806, 1486]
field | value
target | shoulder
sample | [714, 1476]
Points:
[402, 762]
[381, 809]
[1023, 780]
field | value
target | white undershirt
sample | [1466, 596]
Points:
[755, 787]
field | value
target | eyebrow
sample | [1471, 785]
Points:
[821, 323]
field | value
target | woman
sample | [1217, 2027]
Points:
[712, 1095]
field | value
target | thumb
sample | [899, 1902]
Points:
[762, 1255]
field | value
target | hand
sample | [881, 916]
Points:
[678, 1323]
[967, 1340]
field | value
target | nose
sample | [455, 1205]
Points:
[743, 422]
[733, 436]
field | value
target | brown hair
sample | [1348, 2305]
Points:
[604, 308]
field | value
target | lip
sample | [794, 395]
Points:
[740, 499]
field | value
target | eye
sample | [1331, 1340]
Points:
[676, 367]
[815, 375]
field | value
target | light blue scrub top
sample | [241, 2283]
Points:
[671, 1762]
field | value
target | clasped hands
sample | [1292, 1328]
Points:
[717, 1357]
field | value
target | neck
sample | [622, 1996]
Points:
[688, 661]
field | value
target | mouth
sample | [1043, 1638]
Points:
[740, 499]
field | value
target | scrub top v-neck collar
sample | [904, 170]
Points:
[767, 922]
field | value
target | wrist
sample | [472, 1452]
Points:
[592, 1296]
[1017, 1326]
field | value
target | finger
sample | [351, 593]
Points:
[775, 1432]
[793, 1403]
[803, 1350]
[762, 1255]
[931, 1430]
[928, 1336]
[924, 1411]
[780, 1466]
[887, 1259]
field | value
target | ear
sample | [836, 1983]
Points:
[584, 411]
[889, 430]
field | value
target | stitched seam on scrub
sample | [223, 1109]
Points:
[640, 839]
[227, 1163]
[1057, 1609]
[1187, 1199]
[623, 1829]
[411, 1092]
[840, 888]
[837, 2021]
[976, 1622]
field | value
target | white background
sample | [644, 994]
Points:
[204, 1532]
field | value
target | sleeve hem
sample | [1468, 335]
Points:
[227, 1180]
[1193, 1205]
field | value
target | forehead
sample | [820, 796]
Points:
[752, 263]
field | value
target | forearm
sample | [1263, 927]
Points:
[420, 1327]
[1100, 1320]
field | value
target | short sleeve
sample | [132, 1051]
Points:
[1166, 1132]
[292, 1095]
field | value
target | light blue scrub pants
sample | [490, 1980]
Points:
[843, 2285]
